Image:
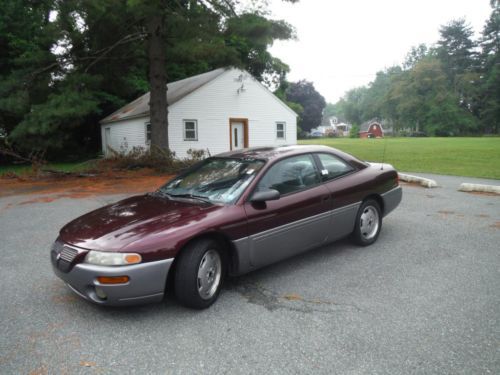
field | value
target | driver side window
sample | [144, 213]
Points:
[290, 175]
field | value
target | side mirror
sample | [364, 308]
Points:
[266, 195]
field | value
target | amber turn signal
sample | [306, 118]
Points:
[113, 279]
[133, 258]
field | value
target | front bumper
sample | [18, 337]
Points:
[146, 282]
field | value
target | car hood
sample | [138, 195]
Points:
[119, 226]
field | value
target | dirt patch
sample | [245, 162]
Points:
[87, 364]
[411, 184]
[123, 182]
[445, 212]
[293, 297]
[485, 193]
[496, 225]
[42, 370]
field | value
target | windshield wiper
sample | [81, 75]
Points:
[191, 196]
[160, 193]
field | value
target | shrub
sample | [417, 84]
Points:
[154, 158]
[353, 133]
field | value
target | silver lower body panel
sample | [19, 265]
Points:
[261, 249]
[146, 282]
[392, 199]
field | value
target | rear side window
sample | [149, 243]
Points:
[333, 167]
[290, 175]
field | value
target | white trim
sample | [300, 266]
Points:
[282, 130]
[195, 139]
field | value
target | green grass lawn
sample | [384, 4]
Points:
[63, 167]
[474, 157]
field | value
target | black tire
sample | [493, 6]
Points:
[368, 223]
[190, 289]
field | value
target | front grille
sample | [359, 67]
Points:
[68, 254]
[57, 247]
[64, 257]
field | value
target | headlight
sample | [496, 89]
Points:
[102, 258]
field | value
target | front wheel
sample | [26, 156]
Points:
[199, 273]
[368, 223]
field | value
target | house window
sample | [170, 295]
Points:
[280, 130]
[148, 132]
[190, 130]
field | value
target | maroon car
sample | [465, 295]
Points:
[227, 215]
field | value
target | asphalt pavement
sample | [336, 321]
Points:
[424, 299]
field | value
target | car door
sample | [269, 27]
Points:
[340, 179]
[295, 222]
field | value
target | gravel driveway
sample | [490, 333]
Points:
[424, 299]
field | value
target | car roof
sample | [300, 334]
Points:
[279, 152]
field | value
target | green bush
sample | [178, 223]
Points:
[354, 131]
[154, 158]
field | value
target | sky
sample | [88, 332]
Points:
[342, 44]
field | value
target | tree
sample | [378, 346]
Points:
[81, 77]
[304, 93]
[490, 72]
[251, 35]
[353, 105]
[456, 48]
[415, 55]
[153, 15]
[375, 103]
[446, 90]
[248, 34]
[426, 102]
[280, 92]
[331, 110]
[64, 64]
[26, 37]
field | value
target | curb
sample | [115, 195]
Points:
[479, 187]
[425, 182]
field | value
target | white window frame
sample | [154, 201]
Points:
[195, 130]
[147, 141]
[283, 130]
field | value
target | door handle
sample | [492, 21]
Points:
[325, 198]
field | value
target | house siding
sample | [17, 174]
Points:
[213, 105]
[125, 134]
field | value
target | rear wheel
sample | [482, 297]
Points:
[368, 223]
[199, 273]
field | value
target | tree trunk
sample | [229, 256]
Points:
[158, 82]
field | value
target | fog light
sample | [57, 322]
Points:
[113, 279]
[100, 293]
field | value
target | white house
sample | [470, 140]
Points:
[332, 125]
[218, 111]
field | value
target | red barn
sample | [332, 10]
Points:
[371, 129]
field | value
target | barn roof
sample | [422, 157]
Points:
[365, 126]
[176, 91]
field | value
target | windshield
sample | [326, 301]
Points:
[218, 180]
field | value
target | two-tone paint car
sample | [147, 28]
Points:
[227, 215]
